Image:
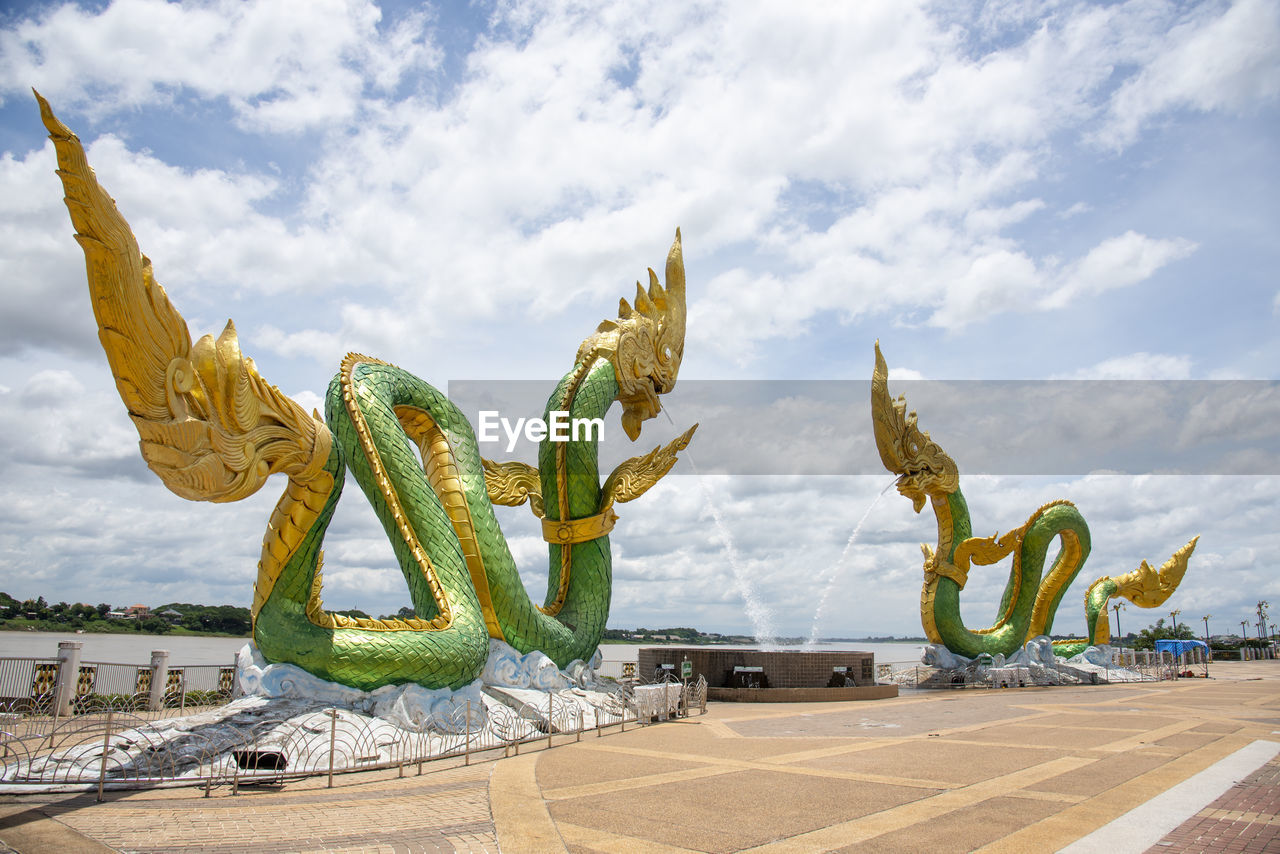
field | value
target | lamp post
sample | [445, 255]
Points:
[1118, 607]
[1207, 647]
[1174, 616]
[1262, 621]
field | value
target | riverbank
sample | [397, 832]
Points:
[105, 627]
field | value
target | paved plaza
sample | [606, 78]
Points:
[1189, 765]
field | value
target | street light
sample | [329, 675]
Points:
[1208, 648]
[1118, 607]
[1262, 621]
[1174, 615]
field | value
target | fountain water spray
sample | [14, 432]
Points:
[761, 617]
[834, 574]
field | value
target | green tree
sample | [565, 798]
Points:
[354, 612]
[402, 614]
[222, 619]
[83, 612]
[1147, 638]
[153, 625]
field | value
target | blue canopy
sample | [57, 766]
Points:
[1178, 647]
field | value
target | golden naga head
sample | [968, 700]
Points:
[924, 469]
[1150, 588]
[645, 344]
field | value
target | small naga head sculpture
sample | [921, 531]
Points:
[924, 469]
[645, 344]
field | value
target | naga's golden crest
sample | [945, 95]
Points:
[1149, 588]
[645, 344]
[923, 468]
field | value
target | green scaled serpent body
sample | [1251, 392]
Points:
[1033, 592]
[213, 429]
[451, 647]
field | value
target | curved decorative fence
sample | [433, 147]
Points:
[1126, 666]
[114, 742]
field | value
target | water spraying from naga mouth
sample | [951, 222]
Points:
[834, 575]
[763, 626]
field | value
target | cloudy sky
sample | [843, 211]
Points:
[1015, 190]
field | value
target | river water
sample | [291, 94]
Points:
[136, 648]
[885, 653]
[123, 648]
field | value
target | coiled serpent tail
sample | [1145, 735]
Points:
[1031, 594]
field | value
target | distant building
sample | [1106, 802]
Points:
[137, 612]
[171, 615]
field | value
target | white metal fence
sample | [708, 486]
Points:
[1126, 665]
[113, 735]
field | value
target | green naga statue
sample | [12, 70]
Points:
[213, 430]
[1032, 594]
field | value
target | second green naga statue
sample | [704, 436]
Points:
[1036, 584]
[214, 430]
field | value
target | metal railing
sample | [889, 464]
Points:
[27, 683]
[65, 686]
[117, 743]
[1125, 666]
[613, 669]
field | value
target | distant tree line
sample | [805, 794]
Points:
[1146, 639]
[180, 617]
[212, 619]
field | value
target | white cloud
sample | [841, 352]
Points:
[995, 281]
[282, 65]
[1116, 263]
[1075, 210]
[1228, 62]
[1136, 366]
[545, 165]
[74, 423]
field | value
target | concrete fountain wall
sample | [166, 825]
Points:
[783, 676]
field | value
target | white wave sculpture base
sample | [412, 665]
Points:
[1035, 664]
[285, 709]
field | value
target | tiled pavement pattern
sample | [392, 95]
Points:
[1245, 819]
[1019, 770]
[439, 811]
